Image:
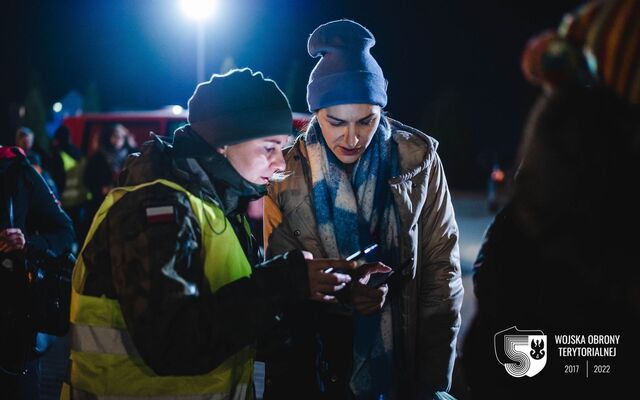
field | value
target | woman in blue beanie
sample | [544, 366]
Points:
[358, 177]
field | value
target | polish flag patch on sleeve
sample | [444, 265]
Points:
[162, 214]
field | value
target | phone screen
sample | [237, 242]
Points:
[378, 280]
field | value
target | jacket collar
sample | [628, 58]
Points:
[233, 190]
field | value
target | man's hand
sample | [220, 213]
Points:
[365, 299]
[11, 239]
[321, 282]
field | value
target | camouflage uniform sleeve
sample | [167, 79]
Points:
[178, 325]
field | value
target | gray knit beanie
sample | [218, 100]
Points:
[238, 106]
[347, 73]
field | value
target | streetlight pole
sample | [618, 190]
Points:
[200, 53]
[199, 10]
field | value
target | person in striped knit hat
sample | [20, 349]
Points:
[555, 259]
[599, 45]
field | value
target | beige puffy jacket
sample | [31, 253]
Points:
[432, 293]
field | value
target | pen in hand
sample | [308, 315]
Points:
[357, 254]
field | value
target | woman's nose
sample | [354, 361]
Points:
[352, 138]
[278, 161]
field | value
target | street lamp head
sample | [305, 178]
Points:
[198, 9]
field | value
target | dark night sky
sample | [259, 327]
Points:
[452, 66]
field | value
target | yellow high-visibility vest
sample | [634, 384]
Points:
[75, 193]
[104, 361]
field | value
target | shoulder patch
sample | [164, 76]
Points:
[161, 214]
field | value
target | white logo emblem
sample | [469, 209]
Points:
[521, 352]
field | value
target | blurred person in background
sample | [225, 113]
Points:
[107, 162]
[67, 169]
[32, 224]
[24, 140]
[104, 165]
[558, 258]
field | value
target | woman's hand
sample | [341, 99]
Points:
[366, 270]
[321, 282]
[11, 239]
[365, 299]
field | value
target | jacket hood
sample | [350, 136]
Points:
[11, 152]
[8, 155]
[149, 164]
[417, 150]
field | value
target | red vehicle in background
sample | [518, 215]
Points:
[85, 129]
[85, 133]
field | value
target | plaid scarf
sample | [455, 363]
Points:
[351, 214]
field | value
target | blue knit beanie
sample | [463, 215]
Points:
[347, 73]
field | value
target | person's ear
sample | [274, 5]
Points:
[222, 150]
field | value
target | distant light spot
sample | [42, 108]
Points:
[176, 110]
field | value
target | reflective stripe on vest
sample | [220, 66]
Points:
[76, 394]
[104, 361]
[98, 339]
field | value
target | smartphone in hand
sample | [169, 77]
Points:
[377, 280]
